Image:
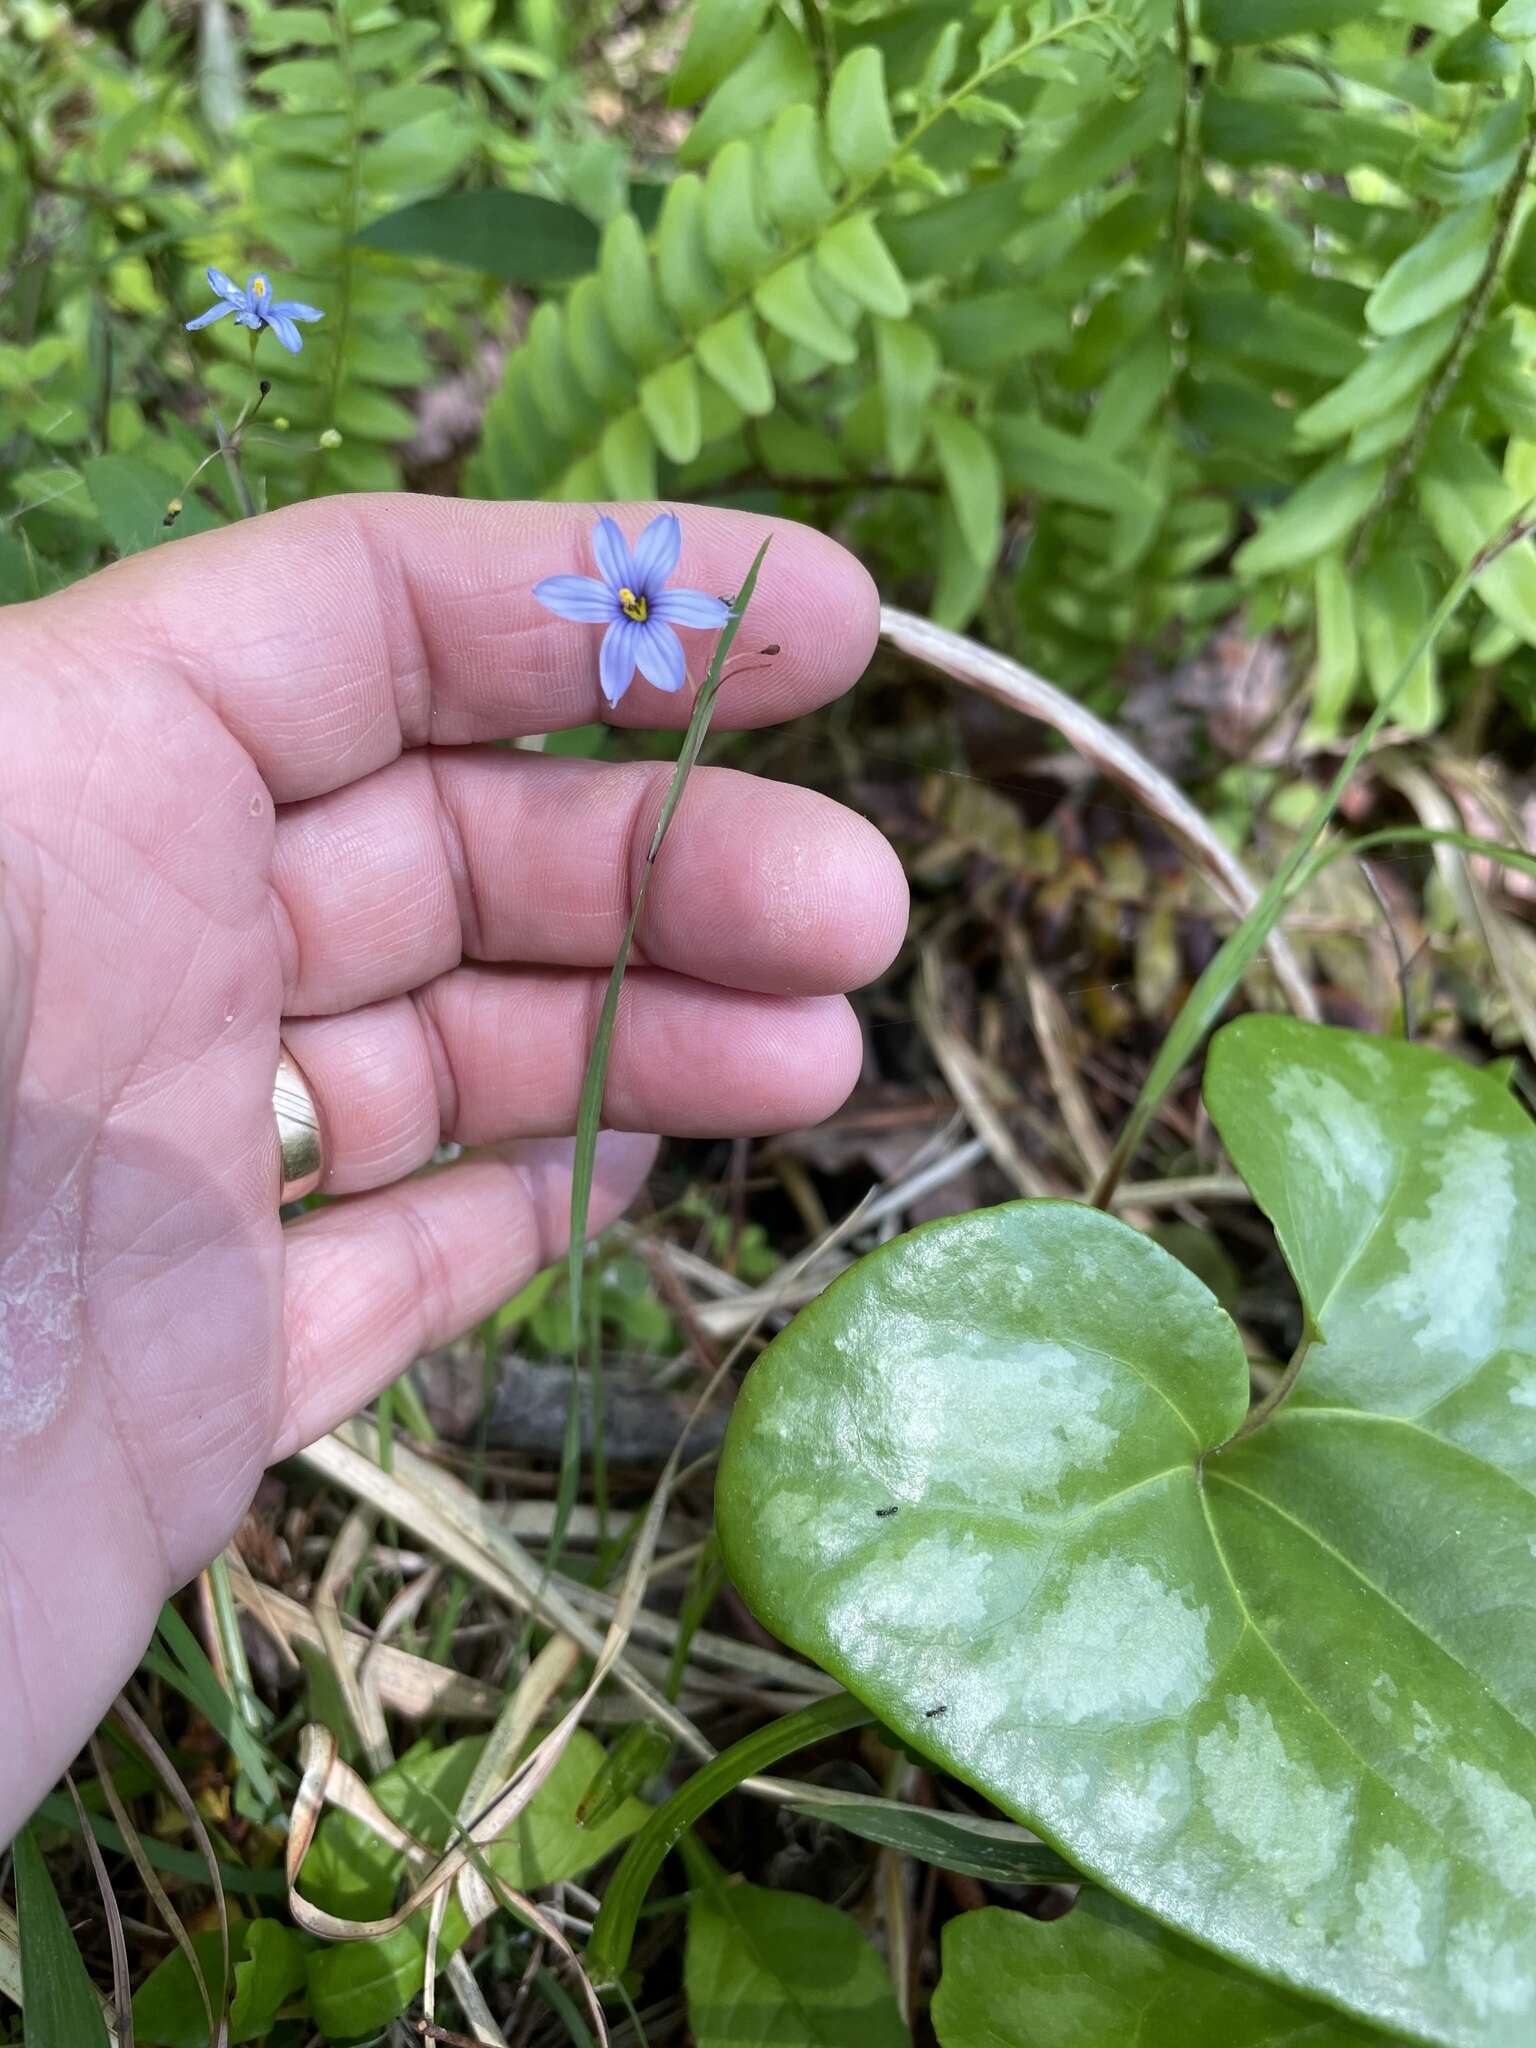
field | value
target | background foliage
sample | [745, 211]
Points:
[1155, 342]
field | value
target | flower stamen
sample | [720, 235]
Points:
[632, 606]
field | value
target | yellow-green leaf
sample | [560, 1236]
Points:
[669, 398]
[732, 354]
[789, 301]
[856, 260]
[859, 129]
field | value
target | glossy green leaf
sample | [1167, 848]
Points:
[1265, 21]
[358, 1987]
[1402, 1187]
[504, 234]
[772, 1969]
[1394, 371]
[721, 34]
[789, 301]
[1042, 458]
[986, 1481]
[1104, 1976]
[973, 477]
[1438, 272]
[859, 131]
[61, 2005]
[854, 258]
[1316, 517]
[669, 398]
[908, 365]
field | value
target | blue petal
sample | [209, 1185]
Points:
[690, 608]
[616, 659]
[285, 331]
[213, 313]
[244, 317]
[581, 598]
[616, 565]
[660, 655]
[294, 309]
[225, 286]
[656, 552]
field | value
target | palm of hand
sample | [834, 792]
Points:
[202, 847]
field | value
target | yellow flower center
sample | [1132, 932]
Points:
[259, 287]
[632, 607]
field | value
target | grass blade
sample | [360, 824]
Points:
[614, 1933]
[60, 2002]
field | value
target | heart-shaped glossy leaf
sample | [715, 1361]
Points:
[1104, 1976]
[1281, 1696]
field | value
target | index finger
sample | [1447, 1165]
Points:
[332, 636]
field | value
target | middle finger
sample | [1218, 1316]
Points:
[501, 855]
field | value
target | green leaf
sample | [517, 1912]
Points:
[1402, 1187]
[1394, 370]
[1265, 21]
[514, 235]
[733, 234]
[732, 354]
[1253, 1685]
[992, 1849]
[778, 72]
[859, 131]
[987, 331]
[1338, 647]
[614, 1933]
[794, 181]
[268, 1965]
[1393, 603]
[1103, 1976]
[690, 287]
[722, 33]
[956, 232]
[1316, 517]
[907, 362]
[595, 353]
[131, 498]
[61, 2005]
[770, 1969]
[1515, 20]
[669, 398]
[359, 1987]
[855, 259]
[973, 477]
[1464, 496]
[630, 299]
[1520, 267]
[1438, 272]
[1039, 457]
[1107, 139]
[789, 301]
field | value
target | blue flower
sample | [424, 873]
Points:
[632, 604]
[256, 308]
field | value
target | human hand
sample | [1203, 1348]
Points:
[243, 785]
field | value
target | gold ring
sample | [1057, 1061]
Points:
[298, 1129]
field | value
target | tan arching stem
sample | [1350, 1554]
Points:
[1007, 682]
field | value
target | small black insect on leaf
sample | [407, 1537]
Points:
[933, 1713]
[882, 1513]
